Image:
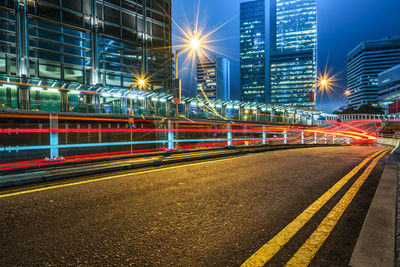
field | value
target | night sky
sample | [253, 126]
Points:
[342, 25]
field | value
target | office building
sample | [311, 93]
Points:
[389, 88]
[293, 52]
[213, 77]
[223, 78]
[59, 55]
[364, 64]
[252, 52]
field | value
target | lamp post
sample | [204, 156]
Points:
[346, 93]
[194, 45]
[139, 82]
[178, 94]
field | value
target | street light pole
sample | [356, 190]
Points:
[194, 45]
[177, 77]
[140, 82]
[346, 93]
[131, 119]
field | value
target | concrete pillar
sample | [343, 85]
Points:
[229, 135]
[312, 118]
[54, 153]
[23, 97]
[315, 138]
[333, 139]
[94, 74]
[272, 115]
[284, 116]
[99, 133]
[302, 137]
[264, 136]
[170, 135]
[285, 136]
[64, 101]
[326, 138]
[22, 55]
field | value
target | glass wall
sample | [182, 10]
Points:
[45, 100]
[87, 42]
[252, 52]
[293, 64]
[7, 38]
[8, 97]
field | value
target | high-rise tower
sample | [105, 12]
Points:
[252, 51]
[364, 63]
[293, 50]
[213, 77]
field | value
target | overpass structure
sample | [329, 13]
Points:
[359, 117]
[45, 96]
[41, 137]
[89, 124]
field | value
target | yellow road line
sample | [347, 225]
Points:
[49, 187]
[267, 251]
[310, 248]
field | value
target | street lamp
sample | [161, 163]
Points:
[346, 93]
[194, 44]
[140, 83]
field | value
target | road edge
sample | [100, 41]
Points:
[375, 245]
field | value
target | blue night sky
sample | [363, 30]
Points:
[342, 25]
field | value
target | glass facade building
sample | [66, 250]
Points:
[213, 77]
[207, 77]
[59, 55]
[293, 52]
[223, 78]
[252, 52]
[389, 87]
[364, 64]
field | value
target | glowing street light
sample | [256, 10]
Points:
[195, 43]
[346, 93]
[324, 82]
[141, 82]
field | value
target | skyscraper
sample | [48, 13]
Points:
[293, 52]
[364, 64]
[223, 78]
[213, 77]
[389, 88]
[252, 51]
[85, 45]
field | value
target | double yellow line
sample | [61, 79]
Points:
[310, 248]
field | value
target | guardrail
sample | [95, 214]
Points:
[390, 142]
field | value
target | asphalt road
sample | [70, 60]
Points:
[212, 213]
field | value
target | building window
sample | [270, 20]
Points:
[49, 71]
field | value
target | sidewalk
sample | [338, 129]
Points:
[376, 244]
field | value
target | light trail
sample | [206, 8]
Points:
[89, 157]
[231, 127]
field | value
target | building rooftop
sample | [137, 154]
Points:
[374, 44]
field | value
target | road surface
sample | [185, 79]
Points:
[209, 213]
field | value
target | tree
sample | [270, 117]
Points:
[363, 109]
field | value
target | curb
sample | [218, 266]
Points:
[41, 176]
[376, 243]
